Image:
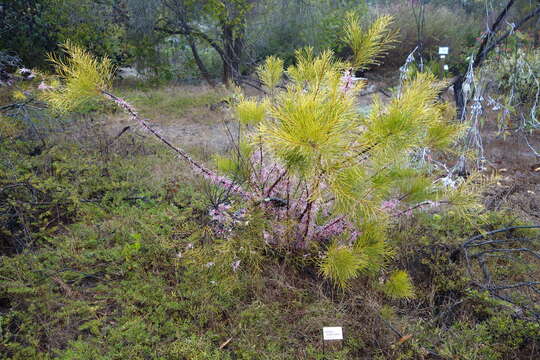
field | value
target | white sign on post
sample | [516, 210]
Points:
[333, 333]
[443, 50]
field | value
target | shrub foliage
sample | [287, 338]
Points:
[323, 171]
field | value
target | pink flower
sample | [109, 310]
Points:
[44, 87]
[333, 228]
[391, 206]
[267, 237]
[348, 80]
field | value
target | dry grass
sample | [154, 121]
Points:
[168, 105]
[193, 117]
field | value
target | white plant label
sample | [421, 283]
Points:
[443, 56]
[443, 50]
[333, 333]
[445, 67]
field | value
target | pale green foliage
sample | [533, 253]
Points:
[369, 253]
[250, 112]
[517, 74]
[341, 264]
[271, 71]
[83, 78]
[349, 161]
[387, 313]
[311, 70]
[386, 138]
[466, 196]
[412, 119]
[374, 252]
[308, 128]
[235, 166]
[370, 45]
[225, 164]
[399, 286]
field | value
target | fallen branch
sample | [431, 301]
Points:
[535, 254]
[489, 282]
[516, 285]
[207, 173]
[510, 228]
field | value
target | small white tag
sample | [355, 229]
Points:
[443, 56]
[332, 333]
[445, 67]
[443, 50]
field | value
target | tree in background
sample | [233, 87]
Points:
[25, 29]
[220, 25]
[242, 32]
[281, 26]
[32, 28]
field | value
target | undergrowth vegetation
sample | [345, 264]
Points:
[132, 268]
[322, 171]
[320, 212]
[110, 253]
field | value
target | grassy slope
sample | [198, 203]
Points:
[138, 273]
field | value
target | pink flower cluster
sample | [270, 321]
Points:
[391, 206]
[294, 211]
[44, 87]
[348, 80]
[219, 214]
[336, 227]
[235, 265]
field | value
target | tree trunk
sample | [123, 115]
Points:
[202, 68]
[228, 67]
[537, 33]
[459, 97]
[232, 53]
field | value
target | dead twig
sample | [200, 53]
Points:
[482, 251]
